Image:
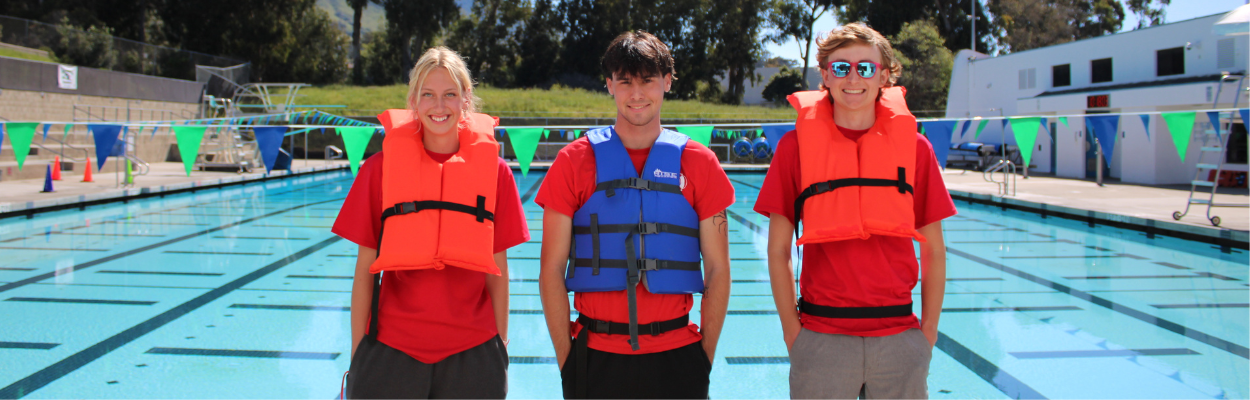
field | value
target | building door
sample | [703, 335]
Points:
[1054, 166]
[1091, 152]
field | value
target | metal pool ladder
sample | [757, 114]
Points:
[1218, 147]
[1008, 184]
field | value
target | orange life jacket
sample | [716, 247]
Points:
[855, 189]
[437, 215]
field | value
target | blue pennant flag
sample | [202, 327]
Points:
[1, 133]
[105, 136]
[939, 133]
[45, 131]
[773, 134]
[1214, 116]
[1145, 123]
[269, 140]
[1106, 129]
[967, 124]
[1245, 117]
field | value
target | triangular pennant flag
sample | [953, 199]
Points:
[773, 134]
[524, 143]
[577, 133]
[922, 132]
[355, 140]
[1214, 116]
[1025, 132]
[1181, 126]
[980, 127]
[545, 132]
[139, 132]
[1245, 117]
[1145, 123]
[105, 136]
[1064, 120]
[1045, 124]
[701, 134]
[964, 130]
[939, 133]
[501, 133]
[66, 134]
[45, 131]
[1106, 128]
[20, 136]
[189, 138]
[269, 140]
[1, 133]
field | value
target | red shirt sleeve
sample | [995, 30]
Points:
[561, 190]
[781, 184]
[932, 202]
[359, 220]
[706, 187]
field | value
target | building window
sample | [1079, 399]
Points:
[1100, 70]
[1170, 61]
[1028, 78]
[1061, 75]
[1224, 53]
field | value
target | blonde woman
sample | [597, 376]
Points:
[433, 220]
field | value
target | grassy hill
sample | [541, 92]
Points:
[557, 102]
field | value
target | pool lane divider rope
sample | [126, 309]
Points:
[92, 263]
[49, 374]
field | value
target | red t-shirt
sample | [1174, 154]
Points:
[877, 271]
[431, 314]
[567, 186]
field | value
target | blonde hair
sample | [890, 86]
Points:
[441, 57]
[858, 33]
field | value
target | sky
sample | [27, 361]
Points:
[1179, 10]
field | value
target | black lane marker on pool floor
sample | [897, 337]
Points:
[48, 249]
[81, 301]
[1121, 255]
[973, 279]
[290, 307]
[757, 360]
[1211, 305]
[221, 253]
[28, 345]
[301, 355]
[531, 360]
[1172, 266]
[744, 183]
[72, 363]
[113, 271]
[1195, 275]
[260, 238]
[1236, 349]
[92, 263]
[1103, 353]
[1008, 309]
[320, 276]
[15, 269]
[533, 189]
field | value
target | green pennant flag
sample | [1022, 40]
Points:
[980, 127]
[189, 138]
[66, 134]
[701, 134]
[545, 133]
[20, 136]
[922, 131]
[1064, 120]
[1181, 125]
[1025, 132]
[524, 143]
[577, 133]
[355, 139]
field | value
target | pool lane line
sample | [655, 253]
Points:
[533, 189]
[1195, 275]
[744, 183]
[28, 345]
[81, 301]
[48, 249]
[1208, 305]
[300, 355]
[1103, 353]
[1233, 348]
[72, 363]
[1171, 265]
[98, 261]
[289, 307]
[129, 272]
[1120, 255]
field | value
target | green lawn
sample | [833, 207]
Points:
[25, 56]
[557, 102]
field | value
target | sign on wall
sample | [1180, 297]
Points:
[67, 77]
[1098, 101]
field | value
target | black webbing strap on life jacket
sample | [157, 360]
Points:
[581, 343]
[901, 310]
[373, 307]
[829, 186]
[636, 183]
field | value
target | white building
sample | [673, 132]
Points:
[1172, 67]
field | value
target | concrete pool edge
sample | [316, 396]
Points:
[1213, 235]
[30, 208]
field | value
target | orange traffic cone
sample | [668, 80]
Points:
[86, 177]
[56, 169]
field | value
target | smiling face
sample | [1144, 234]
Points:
[853, 93]
[440, 103]
[638, 99]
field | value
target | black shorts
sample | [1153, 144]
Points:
[680, 373]
[379, 371]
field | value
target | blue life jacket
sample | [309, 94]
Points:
[636, 229]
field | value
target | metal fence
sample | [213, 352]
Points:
[66, 44]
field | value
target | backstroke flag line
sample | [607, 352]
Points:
[524, 144]
[1025, 132]
[188, 138]
[701, 134]
[269, 140]
[939, 133]
[1181, 126]
[355, 139]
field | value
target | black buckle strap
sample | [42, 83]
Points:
[901, 310]
[618, 328]
[644, 228]
[636, 183]
[829, 186]
[645, 264]
[479, 211]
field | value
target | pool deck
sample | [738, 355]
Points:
[1129, 206]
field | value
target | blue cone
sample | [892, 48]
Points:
[47, 181]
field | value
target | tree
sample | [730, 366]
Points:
[414, 24]
[1029, 24]
[358, 9]
[737, 45]
[487, 39]
[92, 47]
[926, 65]
[794, 20]
[1149, 12]
[539, 46]
[786, 82]
[949, 16]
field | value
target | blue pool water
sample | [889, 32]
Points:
[242, 292]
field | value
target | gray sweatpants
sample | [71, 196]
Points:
[824, 366]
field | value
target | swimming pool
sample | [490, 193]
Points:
[243, 292]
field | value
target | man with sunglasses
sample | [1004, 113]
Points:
[864, 185]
